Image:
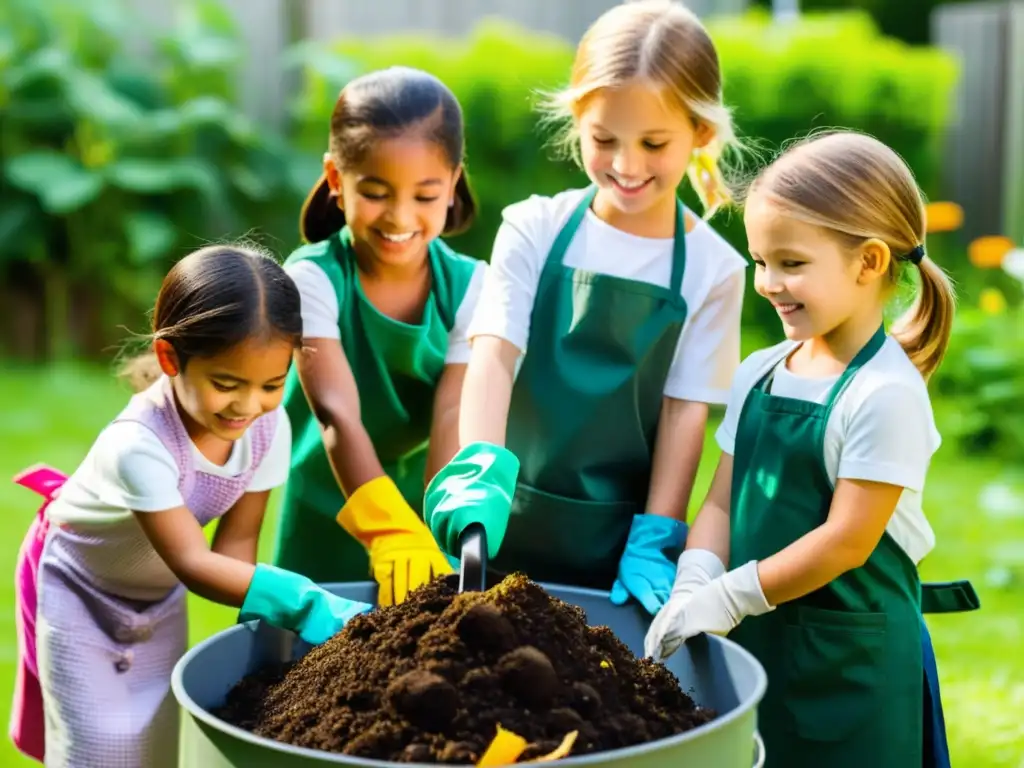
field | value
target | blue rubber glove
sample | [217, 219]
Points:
[476, 486]
[290, 601]
[647, 568]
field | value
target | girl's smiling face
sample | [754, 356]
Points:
[815, 283]
[223, 395]
[636, 146]
[396, 200]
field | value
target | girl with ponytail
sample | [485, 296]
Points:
[374, 397]
[816, 506]
[620, 309]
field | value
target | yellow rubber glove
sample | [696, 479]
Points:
[403, 553]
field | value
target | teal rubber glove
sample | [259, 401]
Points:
[476, 486]
[290, 601]
[647, 568]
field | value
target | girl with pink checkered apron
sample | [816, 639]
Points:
[104, 568]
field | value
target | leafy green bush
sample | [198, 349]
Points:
[980, 384]
[114, 165]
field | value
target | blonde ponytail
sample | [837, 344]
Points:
[707, 179]
[854, 186]
[924, 329]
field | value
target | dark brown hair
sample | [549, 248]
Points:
[384, 104]
[214, 299]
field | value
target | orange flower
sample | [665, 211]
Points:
[988, 252]
[943, 217]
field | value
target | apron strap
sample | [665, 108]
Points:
[568, 230]
[766, 379]
[865, 354]
[436, 250]
[949, 597]
[678, 254]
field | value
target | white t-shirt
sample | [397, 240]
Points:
[320, 307]
[128, 469]
[708, 351]
[881, 429]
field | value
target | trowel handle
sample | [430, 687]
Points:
[473, 566]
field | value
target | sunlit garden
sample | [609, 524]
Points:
[115, 164]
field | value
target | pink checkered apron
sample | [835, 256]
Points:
[105, 650]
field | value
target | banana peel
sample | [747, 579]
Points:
[506, 747]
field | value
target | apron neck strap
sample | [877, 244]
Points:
[865, 354]
[678, 252]
[568, 231]
[437, 249]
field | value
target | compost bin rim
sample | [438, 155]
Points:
[189, 704]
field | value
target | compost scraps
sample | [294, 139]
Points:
[432, 680]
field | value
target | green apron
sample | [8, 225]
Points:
[396, 367]
[584, 414]
[844, 663]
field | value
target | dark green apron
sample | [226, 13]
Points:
[844, 663]
[584, 413]
[396, 367]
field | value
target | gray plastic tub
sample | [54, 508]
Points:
[716, 672]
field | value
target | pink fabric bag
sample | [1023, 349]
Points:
[27, 726]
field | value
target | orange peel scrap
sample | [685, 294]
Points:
[506, 747]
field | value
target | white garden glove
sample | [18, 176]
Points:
[718, 607]
[694, 569]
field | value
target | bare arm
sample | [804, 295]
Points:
[178, 538]
[444, 429]
[238, 531]
[677, 451]
[330, 388]
[487, 391]
[710, 529]
[856, 522]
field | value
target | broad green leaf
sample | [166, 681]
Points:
[93, 97]
[154, 177]
[49, 63]
[150, 236]
[60, 183]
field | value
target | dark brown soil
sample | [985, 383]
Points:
[429, 680]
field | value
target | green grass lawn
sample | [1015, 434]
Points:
[52, 415]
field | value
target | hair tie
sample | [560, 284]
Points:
[915, 256]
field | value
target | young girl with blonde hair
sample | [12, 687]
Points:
[827, 438]
[608, 322]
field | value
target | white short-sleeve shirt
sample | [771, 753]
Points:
[708, 352]
[129, 470]
[320, 308]
[881, 429]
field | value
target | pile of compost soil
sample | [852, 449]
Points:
[429, 681]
